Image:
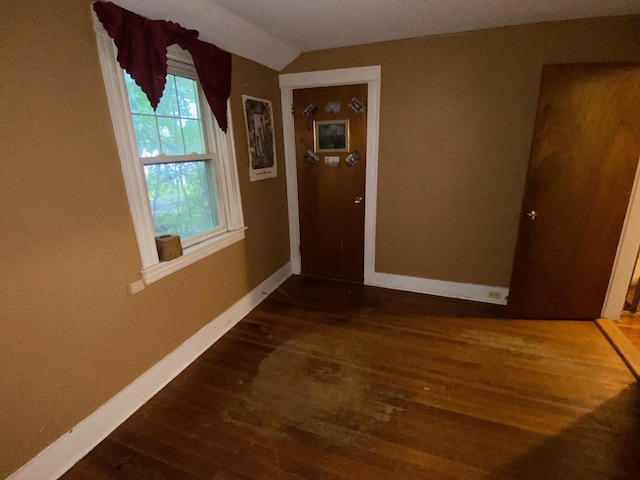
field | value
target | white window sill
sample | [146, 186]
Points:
[191, 255]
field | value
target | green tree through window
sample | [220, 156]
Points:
[171, 145]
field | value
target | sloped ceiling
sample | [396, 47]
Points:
[274, 32]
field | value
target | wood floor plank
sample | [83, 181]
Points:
[334, 380]
[115, 461]
[152, 446]
[620, 340]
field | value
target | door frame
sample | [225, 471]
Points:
[626, 254]
[289, 82]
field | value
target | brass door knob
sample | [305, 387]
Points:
[358, 200]
[532, 214]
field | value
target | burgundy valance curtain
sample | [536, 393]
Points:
[142, 52]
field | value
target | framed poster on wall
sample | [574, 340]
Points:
[258, 117]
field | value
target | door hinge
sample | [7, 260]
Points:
[299, 248]
[292, 109]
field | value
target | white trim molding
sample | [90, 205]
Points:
[192, 255]
[324, 78]
[61, 455]
[441, 288]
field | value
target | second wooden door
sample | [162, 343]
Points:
[584, 156]
[331, 194]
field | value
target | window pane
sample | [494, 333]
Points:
[176, 127]
[181, 196]
[192, 130]
[168, 105]
[146, 135]
[170, 131]
[188, 97]
[137, 98]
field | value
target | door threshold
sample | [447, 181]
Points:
[621, 344]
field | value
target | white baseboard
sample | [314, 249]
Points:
[61, 455]
[465, 291]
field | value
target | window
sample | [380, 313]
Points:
[178, 159]
[179, 167]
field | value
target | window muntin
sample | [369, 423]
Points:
[179, 164]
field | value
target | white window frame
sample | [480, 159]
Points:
[180, 64]
[230, 208]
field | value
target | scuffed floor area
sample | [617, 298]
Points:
[332, 380]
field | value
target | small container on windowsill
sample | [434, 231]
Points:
[169, 247]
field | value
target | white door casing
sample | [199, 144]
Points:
[327, 78]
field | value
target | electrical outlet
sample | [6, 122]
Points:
[496, 295]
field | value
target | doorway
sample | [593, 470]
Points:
[626, 255]
[632, 299]
[629, 323]
[348, 76]
[331, 159]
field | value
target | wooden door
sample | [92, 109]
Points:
[331, 196]
[584, 154]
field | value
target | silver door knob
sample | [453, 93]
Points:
[532, 214]
[358, 200]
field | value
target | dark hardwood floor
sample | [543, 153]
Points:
[332, 380]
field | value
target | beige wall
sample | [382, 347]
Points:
[70, 335]
[456, 120]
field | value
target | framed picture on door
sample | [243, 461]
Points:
[331, 136]
[258, 117]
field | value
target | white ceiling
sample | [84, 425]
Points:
[274, 32]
